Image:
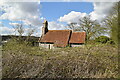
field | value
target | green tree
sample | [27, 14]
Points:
[111, 22]
[92, 27]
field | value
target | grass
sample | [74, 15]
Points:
[93, 61]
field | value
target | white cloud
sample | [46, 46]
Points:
[37, 30]
[22, 11]
[101, 9]
[29, 13]
[51, 26]
[21, 0]
[55, 26]
[11, 31]
[26, 11]
[98, 0]
[5, 31]
[13, 24]
[72, 17]
[79, 0]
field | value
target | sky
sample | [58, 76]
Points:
[53, 10]
[58, 14]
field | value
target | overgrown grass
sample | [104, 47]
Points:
[91, 61]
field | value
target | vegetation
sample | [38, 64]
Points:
[72, 26]
[92, 28]
[20, 29]
[112, 23]
[91, 61]
[97, 59]
[102, 39]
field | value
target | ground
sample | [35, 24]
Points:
[92, 61]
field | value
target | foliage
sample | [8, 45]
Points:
[23, 61]
[112, 22]
[91, 27]
[111, 42]
[102, 39]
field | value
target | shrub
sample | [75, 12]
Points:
[102, 39]
[111, 42]
[21, 61]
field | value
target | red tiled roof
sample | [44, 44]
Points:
[58, 37]
[61, 38]
[77, 37]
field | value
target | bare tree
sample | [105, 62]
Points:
[72, 26]
[31, 30]
[19, 28]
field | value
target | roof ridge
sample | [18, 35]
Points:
[78, 32]
[59, 30]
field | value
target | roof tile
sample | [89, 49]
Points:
[61, 38]
[58, 37]
[77, 37]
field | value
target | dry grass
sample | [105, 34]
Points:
[98, 61]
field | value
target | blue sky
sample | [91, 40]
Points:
[58, 14]
[53, 10]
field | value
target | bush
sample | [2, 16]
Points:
[102, 39]
[111, 42]
[21, 61]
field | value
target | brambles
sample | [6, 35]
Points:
[21, 61]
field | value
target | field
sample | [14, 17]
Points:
[90, 61]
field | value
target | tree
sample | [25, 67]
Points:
[72, 26]
[111, 22]
[19, 28]
[30, 31]
[91, 27]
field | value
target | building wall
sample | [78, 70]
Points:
[77, 45]
[46, 45]
[50, 46]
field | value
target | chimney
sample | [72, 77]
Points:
[45, 28]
